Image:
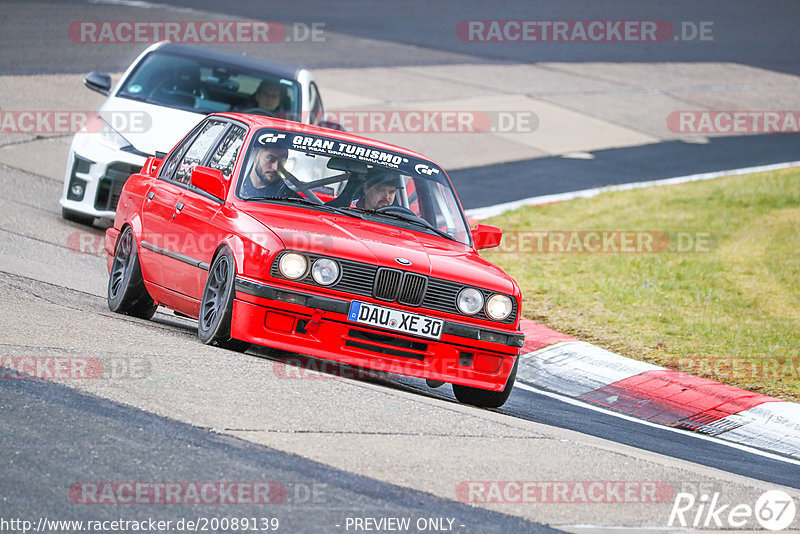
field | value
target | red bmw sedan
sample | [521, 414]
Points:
[320, 242]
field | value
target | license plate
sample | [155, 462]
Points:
[399, 321]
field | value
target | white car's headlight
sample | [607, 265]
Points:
[111, 137]
[325, 271]
[498, 307]
[293, 266]
[469, 301]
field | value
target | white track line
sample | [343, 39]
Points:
[497, 209]
[719, 441]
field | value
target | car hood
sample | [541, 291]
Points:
[149, 128]
[378, 244]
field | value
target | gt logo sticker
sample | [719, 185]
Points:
[271, 138]
[424, 169]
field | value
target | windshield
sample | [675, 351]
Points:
[205, 86]
[359, 180]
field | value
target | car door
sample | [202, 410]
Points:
[161, 238]
[197, 223]
[157, 210]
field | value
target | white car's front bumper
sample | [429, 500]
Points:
[95, 175]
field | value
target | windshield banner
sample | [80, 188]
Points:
[344, 149]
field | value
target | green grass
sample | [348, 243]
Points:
[729, 311]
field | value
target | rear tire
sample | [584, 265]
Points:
[216, 306]
[76, 216]
[484, 398]
[126, 291]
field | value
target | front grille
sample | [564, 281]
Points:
[392, 285]
[109, 188]
[387, 284]
[413, 289]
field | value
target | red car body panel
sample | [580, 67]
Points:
[178, 232]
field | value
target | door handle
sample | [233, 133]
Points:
[150, 195]
[178, 208]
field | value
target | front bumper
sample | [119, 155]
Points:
[95, 175]
[318, 326]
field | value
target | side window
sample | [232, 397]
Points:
[168, 168]
[317, 112]
[194, 155]
[445, 210]
[224, 158]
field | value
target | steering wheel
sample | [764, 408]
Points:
[168, 89]
[296, 185]
[258, 111]
[398, 210]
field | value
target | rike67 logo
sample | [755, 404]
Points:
[774, 510]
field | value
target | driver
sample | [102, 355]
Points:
[263, 179]
[268, 97]
[380, 190]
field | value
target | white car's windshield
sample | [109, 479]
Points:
[206, 86]
[384, 186]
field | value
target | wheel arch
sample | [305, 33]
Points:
[135, 224]
[236, 246]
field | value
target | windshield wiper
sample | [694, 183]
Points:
[138, 98]
[416, 219]
[301, 200]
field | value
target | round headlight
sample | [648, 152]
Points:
[293, 265]
[325, 271]
[470, 301]
[498, 307]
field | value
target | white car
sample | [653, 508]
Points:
[161, 96]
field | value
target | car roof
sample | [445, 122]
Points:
[260, 121]
[238, 60]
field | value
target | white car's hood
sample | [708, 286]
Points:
[149, 128]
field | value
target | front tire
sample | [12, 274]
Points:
[216, 306]
[484, 398]
[126, 291]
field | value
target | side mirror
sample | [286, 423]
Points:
[485, 236]
[98, 81]
[209, 180]
[151, 166]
